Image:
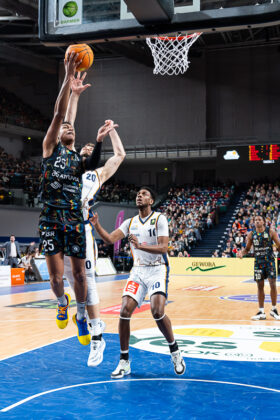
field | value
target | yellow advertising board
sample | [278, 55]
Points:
[212, 266]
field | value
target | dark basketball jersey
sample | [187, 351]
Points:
[263, 245]
[61, 183]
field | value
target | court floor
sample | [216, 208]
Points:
[232, 363]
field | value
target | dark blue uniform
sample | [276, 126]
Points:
[61, 221]
[264, 256]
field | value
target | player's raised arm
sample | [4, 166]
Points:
[112, 164]
[108, 238]
[51, 138]
[91, 162]
[77, 87]
[249, 243]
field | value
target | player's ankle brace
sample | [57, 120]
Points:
[173, 346]
[124, 355]
[159, 319]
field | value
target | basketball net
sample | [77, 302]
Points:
[170, 54]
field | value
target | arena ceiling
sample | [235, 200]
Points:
[19, 40]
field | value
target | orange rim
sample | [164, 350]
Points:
[173, 38]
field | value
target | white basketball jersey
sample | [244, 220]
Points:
[147, 232]
[91, 187]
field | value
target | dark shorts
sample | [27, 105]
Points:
[264, 270]
[62, 230]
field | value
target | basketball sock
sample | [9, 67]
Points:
[124, 355]
[273, 307]
[62, 301]
[95, 328]
[261, 310]
[81, 309]
[173, 346]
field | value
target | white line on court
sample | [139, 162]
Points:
[32, 397]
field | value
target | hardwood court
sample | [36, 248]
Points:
[232, 362]
[193, 299]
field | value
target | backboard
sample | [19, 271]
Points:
[64, 21]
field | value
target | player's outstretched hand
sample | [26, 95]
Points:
[105, 130]
[77, 85]
[71, 63]
[133, 240]
[94, 219]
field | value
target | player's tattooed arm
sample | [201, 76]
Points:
[160, 248]
[275, 238]
[108, 238]
[51, 138]
[77, 87]
[249, 243]
[112, 164]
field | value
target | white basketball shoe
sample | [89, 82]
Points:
[259, 316]
[97, 348]
[121, 370]
[178, 362]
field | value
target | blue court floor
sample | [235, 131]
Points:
[54, 382]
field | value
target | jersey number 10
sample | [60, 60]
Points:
[152, 232]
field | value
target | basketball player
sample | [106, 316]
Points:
[148, 236]
[62, 231]
[92, 182]
[262, 239]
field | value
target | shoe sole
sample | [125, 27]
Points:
[273, 316]
[181, 373]
[122, 375]
[96, 364]
[63, 324]
[259, 319]
[83, 339]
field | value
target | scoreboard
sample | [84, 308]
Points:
[267, 152]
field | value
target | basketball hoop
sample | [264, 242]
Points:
[170, 53]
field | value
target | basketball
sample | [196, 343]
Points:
[85, 54]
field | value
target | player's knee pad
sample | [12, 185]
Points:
[92, 294]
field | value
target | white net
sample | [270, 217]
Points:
[171, 53]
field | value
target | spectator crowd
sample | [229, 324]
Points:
[18, 174]
[260, 199]
[16, 112]
[190, 210]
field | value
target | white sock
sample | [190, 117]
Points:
[273, 307]
[62, 301]
[95, 326]
[261, 310]
[81, 310]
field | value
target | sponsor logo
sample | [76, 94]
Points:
[75, 248]
[202, 288]
[204, 266]
[231, 155]
[216, 342]
[132, 287]
[247, 298]
[70, 9]
[153, 221]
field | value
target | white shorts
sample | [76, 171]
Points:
[92, 294]
[148, 279]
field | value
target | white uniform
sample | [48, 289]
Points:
[91, 187]
[150, 272]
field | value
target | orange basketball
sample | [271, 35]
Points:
[85, 54]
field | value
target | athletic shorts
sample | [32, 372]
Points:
[62, 230]
[148, 279]
[91, 257]
[264, 270]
